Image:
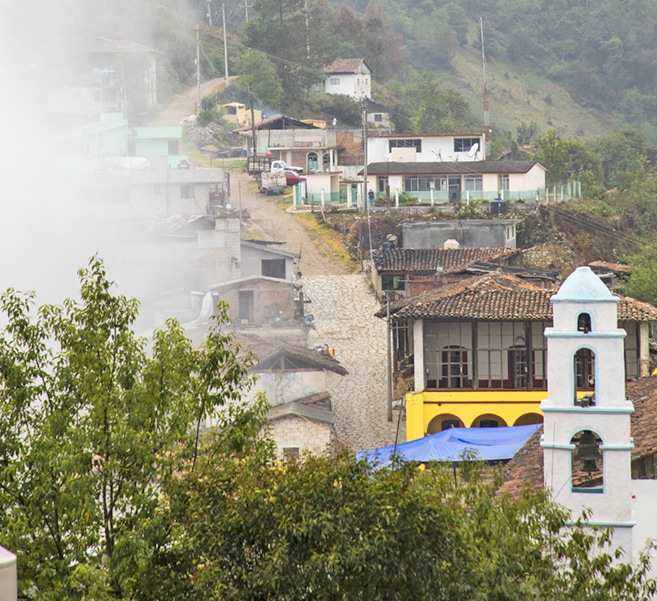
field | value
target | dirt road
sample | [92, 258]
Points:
[185, 104]
[268, 221]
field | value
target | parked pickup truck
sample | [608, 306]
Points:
[272, 182]
[285, 167]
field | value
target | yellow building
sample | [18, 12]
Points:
[473, 353]
[239, 114]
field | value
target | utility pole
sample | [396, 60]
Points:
[389, 336]
[486, 148]
[253, 128]
[223, 13]
[365, 199]
[198, 73]
[209, 13]
[305, 8]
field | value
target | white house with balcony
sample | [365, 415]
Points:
[350, 77]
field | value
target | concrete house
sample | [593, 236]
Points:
[410, 271]
[458, 181]
[296, 142]
[350, 77]
[239, 114]
[424, 148]
[296, 381]
[111, 61]
[473, 233]
[473, 353]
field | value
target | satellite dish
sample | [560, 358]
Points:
[334, 121]
[473, 150]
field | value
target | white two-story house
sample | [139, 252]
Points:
[348, 76]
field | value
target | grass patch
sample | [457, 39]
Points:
[327, 239]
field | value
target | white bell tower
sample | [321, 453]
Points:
[586, 433]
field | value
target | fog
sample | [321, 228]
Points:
[49, 225]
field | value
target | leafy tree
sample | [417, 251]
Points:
[332, 528]
[258, 74]
[436, 109]
[642, 283]
[553, 155]
[525, 132]
[92, 427]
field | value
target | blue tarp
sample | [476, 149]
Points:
[486, 444]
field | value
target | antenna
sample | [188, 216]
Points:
[486, 105]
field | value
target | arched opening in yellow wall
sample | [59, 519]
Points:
[444, 421]
[529, 418]
[488, 420]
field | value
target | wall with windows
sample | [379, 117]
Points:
[425, 148]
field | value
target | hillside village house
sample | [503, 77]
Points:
[459, 181]
[410, 271]
[296, 381]
[238, 114]
[101, 84]
[350, 77]
[473, 353]
[424, 148]
[473, 233]
[296, 142]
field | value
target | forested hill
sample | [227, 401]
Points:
[545, 58]
[581, 67]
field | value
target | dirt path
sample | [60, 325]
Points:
[268, 221]
[185, 104]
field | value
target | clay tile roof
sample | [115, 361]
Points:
[419, 260]
[499, 296]
[266, 349]
[525, 470]
[345, 65]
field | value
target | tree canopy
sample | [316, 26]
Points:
[333, 528]
[92, 427]
[112, 486]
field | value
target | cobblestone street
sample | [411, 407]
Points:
[343, 306]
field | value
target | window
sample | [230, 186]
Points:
[422, 184]
[172, 147]
[584, 377]
[405, 143]
[473, 183]
[290, 453]
[273, 268]
[312, 161]
[334, 81]
[454, 368]
[393, 282]
[382, 184]
[518, 368]
[187, 191]
[465, 144]
[378, 117]
[503, 181]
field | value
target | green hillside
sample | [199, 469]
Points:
[518, 95]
